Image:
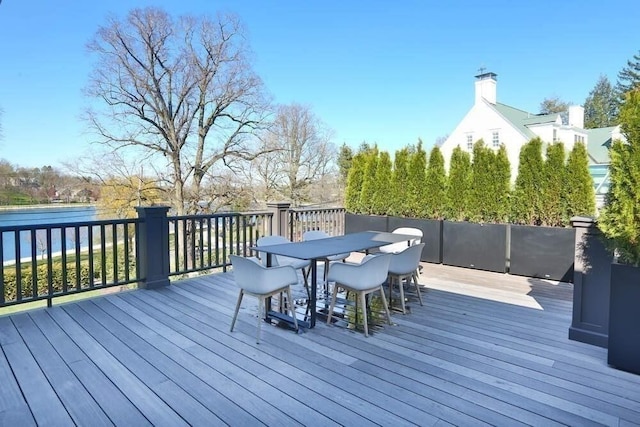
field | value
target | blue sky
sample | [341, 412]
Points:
[385, 72]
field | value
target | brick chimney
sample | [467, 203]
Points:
[486, 87]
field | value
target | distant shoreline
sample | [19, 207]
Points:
[45, 206]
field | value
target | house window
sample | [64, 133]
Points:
[578, 138]
[555, 135]
[495, 139]
[469, 142]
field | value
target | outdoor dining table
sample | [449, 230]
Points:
[319, 249]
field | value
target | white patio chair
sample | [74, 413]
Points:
[400, 246]
[280, 260]
[403, 266]
[318, 234]
[255, 279]
[363, 279]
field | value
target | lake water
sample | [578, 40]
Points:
[35, 216]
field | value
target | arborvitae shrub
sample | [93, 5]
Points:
[580, 194]
[435, 185]
[459, 184]
[526, 202]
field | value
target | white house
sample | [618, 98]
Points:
[497, 124]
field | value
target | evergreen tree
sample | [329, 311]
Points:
[417, 176]
[620, 218]
[601, 106]
[345, 157]
[459, 183]
[481, 178]
[628, 77]
[553, 209]
[435, 186]
[527, 196]
[369, 182]
[355, 178]
[382, 197]
[580, 194]
[400, 183]
[501, 189]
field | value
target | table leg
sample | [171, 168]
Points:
[313, 284]
[267, 305]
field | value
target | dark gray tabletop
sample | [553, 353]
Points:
[322, 248]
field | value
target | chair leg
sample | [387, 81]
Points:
[401, 286]
[260, 307]
[415, 282]
[292, 307]
[235, 315]
[385, 305]
[334, 296]
[365, 323]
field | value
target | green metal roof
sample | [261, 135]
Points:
[516, 117]
[599, 143]
[599, 139]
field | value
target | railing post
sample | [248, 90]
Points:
[153, 257]
[591, 271]
[280, 217]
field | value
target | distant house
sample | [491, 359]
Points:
[497, 124]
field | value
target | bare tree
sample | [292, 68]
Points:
[299, 154]
[180, 95]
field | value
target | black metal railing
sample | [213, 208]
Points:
[204, 242]
[39, 262]
[329, 220]
[44, 261]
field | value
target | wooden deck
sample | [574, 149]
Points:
[485, 349]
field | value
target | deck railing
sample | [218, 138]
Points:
[39, 262]
[45, 261]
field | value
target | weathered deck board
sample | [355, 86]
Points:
[485, 349]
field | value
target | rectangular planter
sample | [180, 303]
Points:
[431, 235]
[479, 246]
[624, 318]
[354, 223]
[544, 252]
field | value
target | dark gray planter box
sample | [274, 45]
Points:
[354, 223]
[471, 245]
[431, 235]
[591, 278]
[544, 252]
[624, 318]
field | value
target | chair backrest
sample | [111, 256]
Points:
[251, 276]
[400, 246]
[406, 261]
[411, 232]
[375, 269]
[314, 235]
[271, 240]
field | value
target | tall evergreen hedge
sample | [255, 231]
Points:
[580, 194]
[481, 180]
[459, 185]
[400, 183]
[527, 195]
[435, 186]
[382, 201]
[355, 179]
[553, 207]
[415, 192]
[369, 182]
[500, 192]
